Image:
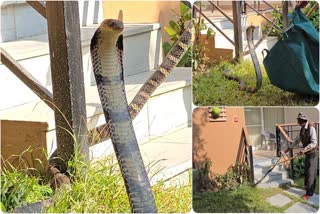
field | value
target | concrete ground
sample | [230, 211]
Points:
[309, 206]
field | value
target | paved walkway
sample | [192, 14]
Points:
[309, 206]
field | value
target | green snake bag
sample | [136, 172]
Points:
[292, 64]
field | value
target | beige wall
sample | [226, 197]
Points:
[290, 114]
[142, 12]
[217, 141]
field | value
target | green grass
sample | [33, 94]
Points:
[244, 199]
[99, 188]
[18, 189]
[300, 183]
[213, 88]
[96, 188]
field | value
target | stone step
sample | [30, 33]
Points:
[276, 183]
[272, 176]
[262, 169]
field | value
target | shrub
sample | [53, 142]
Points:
[232, 179]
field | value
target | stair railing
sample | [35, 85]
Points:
[245, 140]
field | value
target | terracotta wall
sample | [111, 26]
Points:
[217, 141]
[142, 12]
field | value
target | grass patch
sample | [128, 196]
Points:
[96, 188]
[214, 89]
[245, 199]
[299, 182]
[18, 189]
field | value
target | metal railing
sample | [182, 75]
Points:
[236, 21]
[248, 151]
[287, 132]
[258, 7]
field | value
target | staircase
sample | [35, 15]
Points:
[278, 177]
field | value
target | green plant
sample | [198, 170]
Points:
[277, 20]
[298, 166]
[175, 30]
[98, 187]
[245, 199]
[233, 178]
[200, 59]
[18, 189]
[314, 17]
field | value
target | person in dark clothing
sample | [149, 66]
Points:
[308, 138]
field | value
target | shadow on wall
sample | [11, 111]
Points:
[199, 153]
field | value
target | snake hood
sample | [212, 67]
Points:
[106, 53]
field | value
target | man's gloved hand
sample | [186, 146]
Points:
[301, 152]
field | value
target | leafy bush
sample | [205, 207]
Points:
[232, 179]
[277, 20]
[298, 166]
[175, 30]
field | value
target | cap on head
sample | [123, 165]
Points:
[302, 116]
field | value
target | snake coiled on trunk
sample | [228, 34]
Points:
[106, 54]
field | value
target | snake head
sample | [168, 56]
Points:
[114, 25]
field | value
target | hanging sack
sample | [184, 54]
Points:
[292, 64]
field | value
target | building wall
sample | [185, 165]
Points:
[142, 12]
[217, 141]
[260, 119]
[20, 20]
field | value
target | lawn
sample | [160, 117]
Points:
[245, 199]
[213, 88]
[300, 183]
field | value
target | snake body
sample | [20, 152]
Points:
[242, 85]
[165, 68]
[106, 54]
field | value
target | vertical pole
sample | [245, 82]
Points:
[67, 78]
[236, 11]
[278, 138]
[285, 14]
[291, 164]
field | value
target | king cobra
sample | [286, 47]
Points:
[242, 85]
[106, 54]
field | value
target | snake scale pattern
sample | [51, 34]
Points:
[106, 54]
[242, 85]
[162, 72]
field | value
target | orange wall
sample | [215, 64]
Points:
[142, 12]
[217, 141]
